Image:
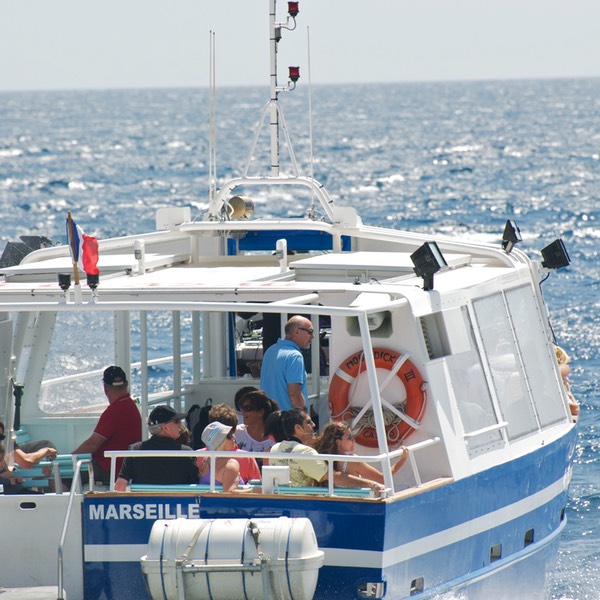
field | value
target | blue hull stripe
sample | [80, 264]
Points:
[375, 559]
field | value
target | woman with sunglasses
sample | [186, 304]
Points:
[337, 438]
[255, 407]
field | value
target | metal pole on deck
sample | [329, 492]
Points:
[144, 361]
[375, 400]
[176, 318]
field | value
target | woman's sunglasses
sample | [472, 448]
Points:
[230, 435]
[248, 408]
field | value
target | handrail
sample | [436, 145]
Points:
[75, 485]
[330, 458]
[489, 429]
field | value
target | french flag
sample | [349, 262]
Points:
[84, 248]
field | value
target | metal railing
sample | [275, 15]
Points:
[331, 459]
[75, 487]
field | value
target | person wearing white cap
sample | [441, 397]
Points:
[218, 436]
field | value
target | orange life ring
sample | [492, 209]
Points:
[352, 367]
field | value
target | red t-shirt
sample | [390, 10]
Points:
[121, 425]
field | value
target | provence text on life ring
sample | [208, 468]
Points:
[341, 386]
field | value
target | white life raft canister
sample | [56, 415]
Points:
[226, 559]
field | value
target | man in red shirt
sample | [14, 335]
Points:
[119, 426]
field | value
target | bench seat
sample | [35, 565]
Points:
[282, 489]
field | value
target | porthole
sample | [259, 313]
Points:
[417, 586]
[529, 537]
[495, 552]
[371, 589]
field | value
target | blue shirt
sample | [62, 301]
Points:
[282, 363]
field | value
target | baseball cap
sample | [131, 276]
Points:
[214, 434]
[164, 414]
[114, 376]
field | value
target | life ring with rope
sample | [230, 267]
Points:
[399, 423]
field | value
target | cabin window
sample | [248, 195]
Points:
[542, 379]
[84, 343]
[504, 361]
[82, 346]
[471, 391]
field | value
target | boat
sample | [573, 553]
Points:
[439, 344]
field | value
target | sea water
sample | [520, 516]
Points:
[449, 158]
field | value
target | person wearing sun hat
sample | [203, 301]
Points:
[218, 436]
[164, 425]
[119, 426]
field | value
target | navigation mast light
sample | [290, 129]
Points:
[428, 259]
[293, 9]
[511, 236]
[294, 74]
[555, 255]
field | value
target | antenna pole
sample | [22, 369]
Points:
[212, 130]
[311, 210]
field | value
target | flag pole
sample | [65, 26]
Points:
[72, 247]
[74, 252]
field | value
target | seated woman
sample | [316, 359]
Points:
[337, 438]
[298, 428]
[255, 407]
[226, 415]
[218, 436]
[563, 360]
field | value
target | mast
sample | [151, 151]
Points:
[275, 37]
[276, 118]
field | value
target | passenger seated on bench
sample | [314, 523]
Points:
[164, 425]
[218, 436]
[31, 453]
[337, 438]
[299, 430]
[255, 407]
[225, 414]
[9, 480]
[563, 360]
[274, 428]
[119, 426]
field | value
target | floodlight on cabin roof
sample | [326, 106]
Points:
[511, 236]
[555, 255]
[92, 280]
[428, 259]
[64, 281]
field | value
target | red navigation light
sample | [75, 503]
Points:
[293, 9]
[294, 74]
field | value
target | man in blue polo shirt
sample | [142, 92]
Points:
[282, 374]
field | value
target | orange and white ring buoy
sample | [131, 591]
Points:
[390, 360]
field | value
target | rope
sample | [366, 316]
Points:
[390, 420]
